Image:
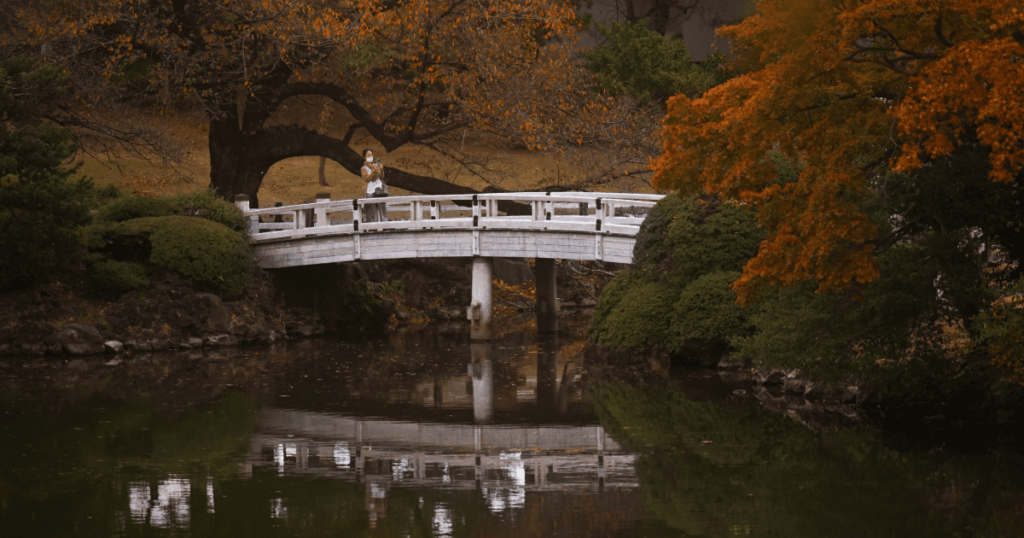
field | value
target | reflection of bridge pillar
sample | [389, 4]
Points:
[478, 472]
[481, 371]
[547, 297]
[360, 462]
[376, 502]
[481, 307]
[547, 372]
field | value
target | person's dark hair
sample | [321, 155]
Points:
[365, 151]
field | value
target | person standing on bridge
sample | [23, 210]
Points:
[373, 175]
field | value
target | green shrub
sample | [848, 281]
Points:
[640, 318]
[206, 253]
[101, 196]
[204, 204]
[42, 206]
[688, 252]
[134, 207]
[111, 277]
[43, 203]
[641, 62]
[707, 310]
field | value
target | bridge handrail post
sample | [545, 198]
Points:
[252, 222]
[320, 213]
[357, 215]
[242, 203]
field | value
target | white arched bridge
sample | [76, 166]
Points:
[544, 226]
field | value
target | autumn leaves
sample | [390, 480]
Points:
[845, 91]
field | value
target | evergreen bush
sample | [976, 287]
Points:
[639, 318]
[208, 254]
[134, 207]
[707, 310]
[688, 252]
[111, 277]
[43, 207]
[641, 62]
[203, 204]
[206, 204]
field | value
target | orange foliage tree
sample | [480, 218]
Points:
[844, 90]
[403, 72]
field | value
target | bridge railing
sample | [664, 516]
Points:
[610, 213]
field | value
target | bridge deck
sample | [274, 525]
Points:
[581, 226]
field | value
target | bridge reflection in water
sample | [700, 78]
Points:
[506, 463]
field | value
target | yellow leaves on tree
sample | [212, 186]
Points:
[843, 89]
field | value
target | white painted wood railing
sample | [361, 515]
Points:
[603, 213]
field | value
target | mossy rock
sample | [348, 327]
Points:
[112, 277]
[204, 204]
[207, 253]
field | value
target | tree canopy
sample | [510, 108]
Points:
[844, 92]
[404, 73]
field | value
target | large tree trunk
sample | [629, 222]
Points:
[227, 161]
[238, 163]
[232, 169]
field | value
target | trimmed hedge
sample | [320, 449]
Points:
[689, 251]
[640, 318]
[112, 277]
[134, 207]
[207, 253]
[707, 310]
[204, 204]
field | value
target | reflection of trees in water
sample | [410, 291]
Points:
[439, 373]
[712, 469]
[106, 467]
[174, 380]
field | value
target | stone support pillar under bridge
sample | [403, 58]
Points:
[481, 308]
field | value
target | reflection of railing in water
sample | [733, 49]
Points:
[503, 463]
[167, 503]
[531, 469]
[419, 436]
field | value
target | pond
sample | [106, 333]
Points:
[426, 434]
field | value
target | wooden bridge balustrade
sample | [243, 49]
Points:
[571, 225]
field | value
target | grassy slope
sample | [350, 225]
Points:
[295, 180]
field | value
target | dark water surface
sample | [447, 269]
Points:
[425, 434]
